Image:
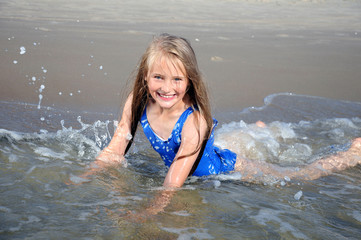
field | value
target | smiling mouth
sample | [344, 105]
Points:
[166, 97]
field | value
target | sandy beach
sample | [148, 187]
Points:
[83, 53]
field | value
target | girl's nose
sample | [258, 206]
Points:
[167, 86]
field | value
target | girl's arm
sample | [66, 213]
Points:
[181, 167]
[190, 147]
[114, 152]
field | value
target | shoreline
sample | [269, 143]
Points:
[244, 58]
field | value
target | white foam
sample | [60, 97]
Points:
[254, 142]
[267, 215]
[30, 219]
[189, 233]
[298, 195]
[30, 170]
[84, 216]
[182, 213]
[78, 180]
[48, 153]
[5, 209]
[356, 215]
[11, 135]
[235, 176]
[13, 158]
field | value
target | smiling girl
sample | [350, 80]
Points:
[170, 100]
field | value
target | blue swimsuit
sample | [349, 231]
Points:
[214, 160]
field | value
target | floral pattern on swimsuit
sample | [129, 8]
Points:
[214, 160]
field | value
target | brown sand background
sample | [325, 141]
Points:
[246, 49]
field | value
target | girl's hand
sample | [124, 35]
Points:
[107, 156]
[138, 217]
[104, 160]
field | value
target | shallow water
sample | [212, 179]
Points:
[37, 203]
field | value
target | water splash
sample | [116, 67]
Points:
[22, 50]
[40, 98]
[289, 144]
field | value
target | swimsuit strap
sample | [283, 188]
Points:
[182, 119]
[177, 127]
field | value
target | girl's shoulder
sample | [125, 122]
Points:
[195, 121]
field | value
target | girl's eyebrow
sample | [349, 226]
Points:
[179, 76]
[159, 74]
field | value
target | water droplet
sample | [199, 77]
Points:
[15, 62]
[40, 98]
[22, 50]
[298, 195]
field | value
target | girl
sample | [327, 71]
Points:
[170, 101]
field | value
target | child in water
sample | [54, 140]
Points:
[170, 100]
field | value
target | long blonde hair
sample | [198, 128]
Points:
[179, 48]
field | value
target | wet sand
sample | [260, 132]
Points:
[83, 53]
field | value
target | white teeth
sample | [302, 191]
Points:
[166, 96]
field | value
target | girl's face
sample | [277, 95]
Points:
[167, 83]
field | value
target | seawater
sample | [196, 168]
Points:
[41, 149]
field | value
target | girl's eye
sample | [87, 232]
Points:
[157, 77]
[177, 79]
